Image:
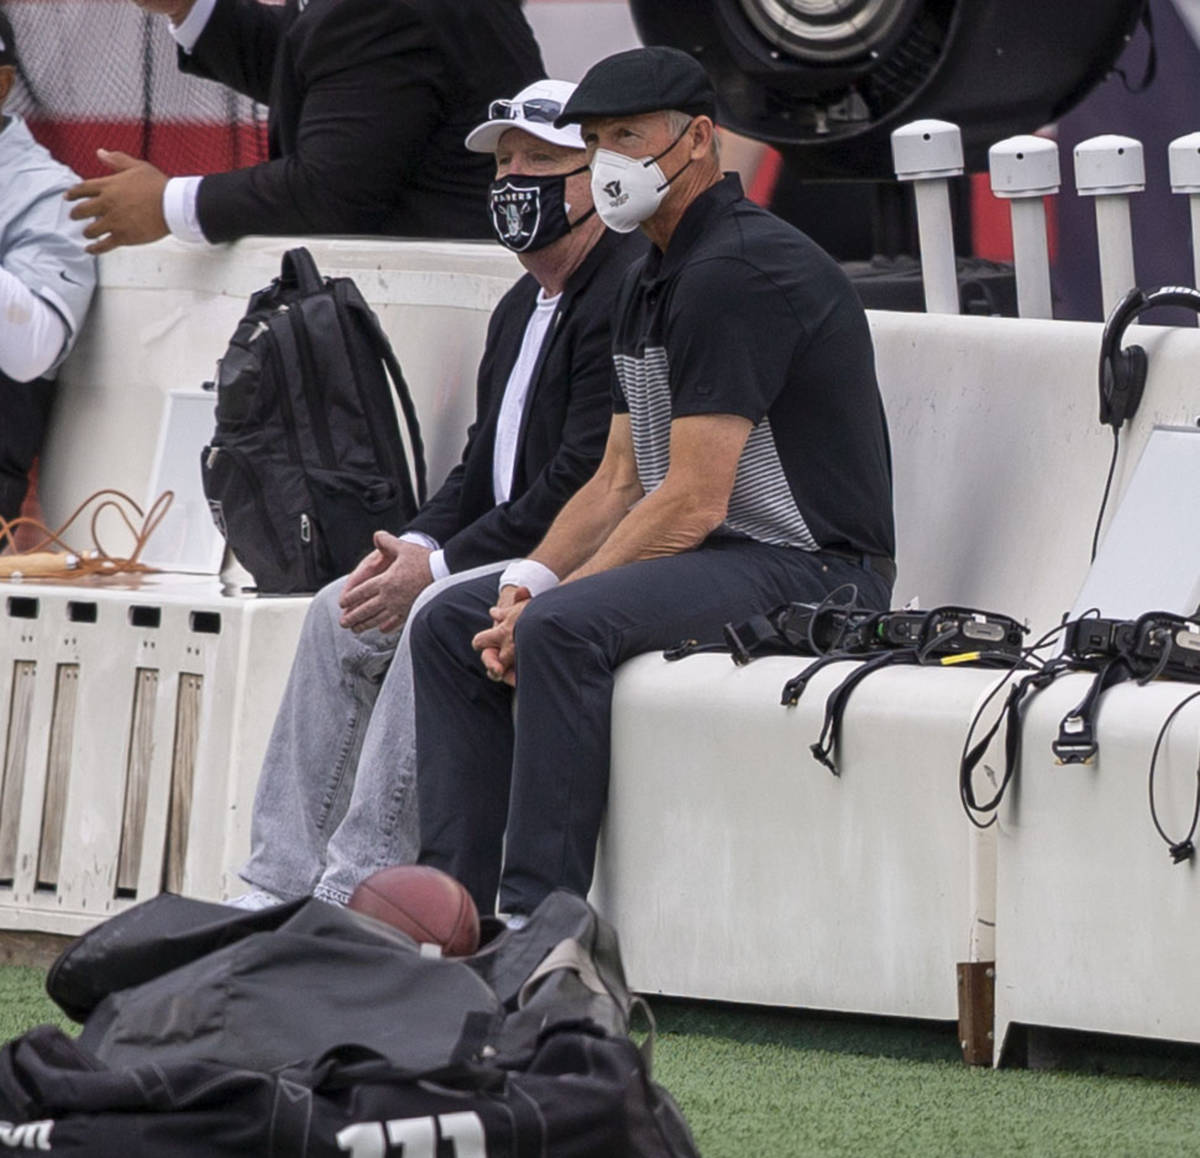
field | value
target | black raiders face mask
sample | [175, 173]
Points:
[529, 213]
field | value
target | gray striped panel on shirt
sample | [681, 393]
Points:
[761, 505]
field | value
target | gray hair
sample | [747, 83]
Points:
[678, 121]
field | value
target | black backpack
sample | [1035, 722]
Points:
[307, 461]
[308, 1031]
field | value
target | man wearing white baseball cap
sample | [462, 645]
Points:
[747, 465]
[336, 799]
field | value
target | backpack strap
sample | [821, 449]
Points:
[384, 349]
[299, 271]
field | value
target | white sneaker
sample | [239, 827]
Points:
[254, 900]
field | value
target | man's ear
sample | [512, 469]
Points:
[701, 132]
[8, 77]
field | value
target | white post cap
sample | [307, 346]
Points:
[1183, 156]
[927, 149]
[1109, 164]
[1024, 167]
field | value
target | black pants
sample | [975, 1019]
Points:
[24, 412]
[537, 791]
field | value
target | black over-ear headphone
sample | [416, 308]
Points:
[1123, 372]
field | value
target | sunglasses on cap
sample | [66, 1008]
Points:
[538, 109]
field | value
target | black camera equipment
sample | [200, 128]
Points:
[1159, 644]
[827, 83]
[944, 635]
[1091, 641]
[789, 629]
[799, 628]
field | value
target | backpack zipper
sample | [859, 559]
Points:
[289, 412]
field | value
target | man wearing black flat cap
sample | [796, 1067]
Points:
[747, 465]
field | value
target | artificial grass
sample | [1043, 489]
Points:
[790, 1085]
[770, 1082]
[24, 1004]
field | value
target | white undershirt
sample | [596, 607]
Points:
[512, 407]
[508, 422]
[32, 333]
[179, 197]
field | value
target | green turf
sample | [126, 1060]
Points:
[775, 1083]
[767, 1084]
[23, 1002]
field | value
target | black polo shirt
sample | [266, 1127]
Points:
[745, 315]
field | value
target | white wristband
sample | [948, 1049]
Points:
[529, 573]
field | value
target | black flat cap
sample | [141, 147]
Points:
[642, 80]
[8, 43]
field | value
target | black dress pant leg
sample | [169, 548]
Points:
[464, 732]
[24, 413]
[570, 642]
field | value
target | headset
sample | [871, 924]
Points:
[1123, 372]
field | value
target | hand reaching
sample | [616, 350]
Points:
[127, 207]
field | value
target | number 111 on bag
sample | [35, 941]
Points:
[415, 1137]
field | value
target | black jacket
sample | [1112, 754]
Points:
[369, 103]
[564, 426]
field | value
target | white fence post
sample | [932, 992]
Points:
[1184, 159]
[928, 153]
[1109, 168]
[1024, 170]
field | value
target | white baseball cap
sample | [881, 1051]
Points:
[534, 110]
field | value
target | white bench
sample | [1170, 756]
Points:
[737, 868]
[134, 713]
[734, 866]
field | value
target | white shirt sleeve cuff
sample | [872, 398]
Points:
[187, 33]
[420, 539]
[529, 573]
[438, 567]
[179, 209]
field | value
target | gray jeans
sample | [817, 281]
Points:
[336, 798]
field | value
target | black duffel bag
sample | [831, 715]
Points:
[309, 1031]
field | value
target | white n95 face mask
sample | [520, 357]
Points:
[627, 190]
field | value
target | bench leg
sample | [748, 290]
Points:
[976, 1011]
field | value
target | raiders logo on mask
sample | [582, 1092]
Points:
[529, 213]
[517, 215]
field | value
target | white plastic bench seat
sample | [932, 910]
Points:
[137, 715]
[1097, 929]
[738, 868]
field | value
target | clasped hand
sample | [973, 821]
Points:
[379, 592]
[497, 644]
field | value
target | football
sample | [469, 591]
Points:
[426, 903]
